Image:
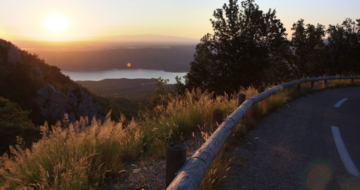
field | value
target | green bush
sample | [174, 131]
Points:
[15, 122]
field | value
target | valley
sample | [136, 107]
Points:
[129, 88]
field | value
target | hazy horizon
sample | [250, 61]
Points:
[67, 20]
[106, 42]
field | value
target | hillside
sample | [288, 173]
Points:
[41, 92]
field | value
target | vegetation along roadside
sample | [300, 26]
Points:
[80, 157]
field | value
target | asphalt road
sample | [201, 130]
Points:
[308, 144]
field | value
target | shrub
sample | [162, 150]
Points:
[15, 122]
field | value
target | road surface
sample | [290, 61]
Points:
[311, 143]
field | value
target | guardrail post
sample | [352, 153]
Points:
[175, 159]
[312, 84]
[241, 99]
[352, 80]
[217, 118]
[324, 83]
[261, 89]
[298, 85]
[288, 80]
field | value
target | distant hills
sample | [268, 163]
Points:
[169, 53]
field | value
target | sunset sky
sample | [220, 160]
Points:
[79, 19]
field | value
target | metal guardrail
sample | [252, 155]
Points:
[192, 173]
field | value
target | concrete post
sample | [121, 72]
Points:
[241, 99]
[312, 84]
[217, 118]
[325, 83]
[175, 159]
[298, 86]
[288, 80]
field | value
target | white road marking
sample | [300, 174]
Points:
[344, 154]
[338, 104]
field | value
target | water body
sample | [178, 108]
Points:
[128, 73]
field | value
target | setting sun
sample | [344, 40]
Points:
[56, 23]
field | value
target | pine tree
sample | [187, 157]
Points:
[305, 53]
[244, 47]
[344, 48]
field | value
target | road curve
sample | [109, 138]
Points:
[296, 147]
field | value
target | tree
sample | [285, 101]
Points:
[161, 96]
[243, 48]
[344, 48]
[305, 53]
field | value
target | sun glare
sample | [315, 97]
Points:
[56, 23]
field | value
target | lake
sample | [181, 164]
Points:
[128, 73]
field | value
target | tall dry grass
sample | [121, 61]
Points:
[74, 158]
[82, 156]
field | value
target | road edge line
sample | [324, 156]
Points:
[338, 104]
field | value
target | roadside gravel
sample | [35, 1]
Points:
[148, 175]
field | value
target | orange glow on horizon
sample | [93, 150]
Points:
[129, 65]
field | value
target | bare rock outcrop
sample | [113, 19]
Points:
[37, 72]
[50, 102]
[12, 54]
[76, 103]
[82, 104]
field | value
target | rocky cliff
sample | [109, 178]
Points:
[76, 103]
